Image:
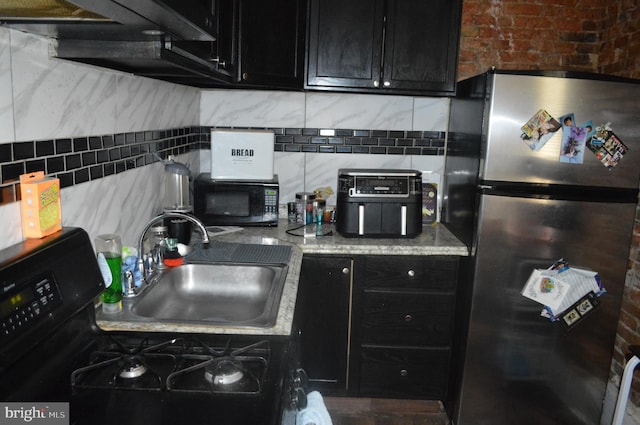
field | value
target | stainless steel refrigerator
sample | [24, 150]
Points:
[526, 184]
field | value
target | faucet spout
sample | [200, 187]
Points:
[197, 223]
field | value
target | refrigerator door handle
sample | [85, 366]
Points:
[559, 192]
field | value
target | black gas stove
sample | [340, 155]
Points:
[195, 379]
[52, 351]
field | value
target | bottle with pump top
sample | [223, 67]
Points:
[109, 256]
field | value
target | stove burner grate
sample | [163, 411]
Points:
[180, 365]
[239, 375]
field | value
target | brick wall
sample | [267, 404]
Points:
[601, 36]
[620, 53]
[594, 36]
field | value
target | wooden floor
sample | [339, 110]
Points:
[371, 411]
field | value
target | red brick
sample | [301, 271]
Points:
[522, 9]
[488, 32]
[472, 8]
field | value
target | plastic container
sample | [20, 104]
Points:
[304, 207]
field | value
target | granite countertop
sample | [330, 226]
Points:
[434, 240]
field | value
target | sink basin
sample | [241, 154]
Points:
[224, 294]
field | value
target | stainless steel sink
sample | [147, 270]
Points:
[218, 294]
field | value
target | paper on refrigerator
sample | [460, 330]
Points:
[558, 288]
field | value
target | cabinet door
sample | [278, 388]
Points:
[393, 46]
[272, 43]
[421, 45]
[221, 53]
[226, 48]
[322, 315]
[344, 43]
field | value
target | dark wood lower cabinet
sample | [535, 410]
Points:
[322, 316]
[419, 319]
[404, 372]
[374, 326]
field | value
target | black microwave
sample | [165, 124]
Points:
[236, 202]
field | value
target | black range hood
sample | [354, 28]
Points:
[172, 40]
[163, 59]
[114, 19]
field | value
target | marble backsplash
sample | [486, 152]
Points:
[44, 99]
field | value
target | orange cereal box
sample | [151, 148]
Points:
[41, 211]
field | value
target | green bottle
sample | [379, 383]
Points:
[109, 254]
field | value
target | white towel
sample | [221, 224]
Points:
[315, 413]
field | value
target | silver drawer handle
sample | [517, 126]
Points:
[408, 318]
[345, 270]
[404, 372]
[411, 273]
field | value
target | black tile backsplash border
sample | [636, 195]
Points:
[83, 159]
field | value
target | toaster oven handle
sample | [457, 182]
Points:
[361, 219]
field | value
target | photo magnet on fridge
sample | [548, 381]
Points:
[574, 139]
[607, 147]
[539, 129]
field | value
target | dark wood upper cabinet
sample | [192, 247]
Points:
[271, 43]
[366, 46]
[344, 43]
[383, 46]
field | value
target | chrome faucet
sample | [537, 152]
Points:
[197, 223]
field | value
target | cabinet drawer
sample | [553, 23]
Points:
[411, 373]
[407, 319]
[426, 273]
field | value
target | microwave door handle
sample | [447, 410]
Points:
[403, 220]
[361, 219]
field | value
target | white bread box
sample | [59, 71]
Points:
[242, 154]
